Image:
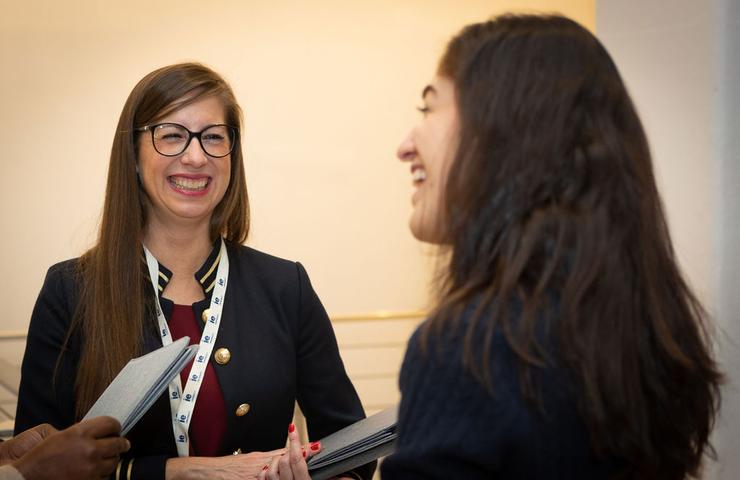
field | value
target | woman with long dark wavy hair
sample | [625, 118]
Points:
[565, 342]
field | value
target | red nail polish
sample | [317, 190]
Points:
[315, 446]
[291, 428]
[304, 454]
[265, 467]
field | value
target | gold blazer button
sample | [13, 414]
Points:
[205, 315]
[242, 409]
[222, 356]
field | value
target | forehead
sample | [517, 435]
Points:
[440, 89]
[195, 114]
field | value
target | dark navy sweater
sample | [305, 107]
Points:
[450, 426]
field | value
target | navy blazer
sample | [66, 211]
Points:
[282, 349]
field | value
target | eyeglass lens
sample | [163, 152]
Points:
[172, 139]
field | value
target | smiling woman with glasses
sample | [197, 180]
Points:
[169, 262]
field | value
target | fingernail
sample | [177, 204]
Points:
[304, 454]
[291, 428]
[315, 446]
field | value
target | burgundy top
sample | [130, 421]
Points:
[208, 425]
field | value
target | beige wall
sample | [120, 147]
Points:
[328, 88]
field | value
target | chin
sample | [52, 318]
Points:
[189, 215]
[423, 233]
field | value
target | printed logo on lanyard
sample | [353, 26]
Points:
[182, 401]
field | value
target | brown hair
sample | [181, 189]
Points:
[551, 209]
[112, 313]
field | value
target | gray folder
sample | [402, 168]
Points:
[138, 385]
[355, 445]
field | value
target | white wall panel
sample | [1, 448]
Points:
[679, 59]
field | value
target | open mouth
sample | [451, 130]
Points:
[418, 175]
[189, 184]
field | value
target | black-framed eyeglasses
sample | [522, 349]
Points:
[171, 139]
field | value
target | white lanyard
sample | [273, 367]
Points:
[182, 411]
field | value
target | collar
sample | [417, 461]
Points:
[205, 276]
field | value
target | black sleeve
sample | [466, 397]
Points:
[46, 395]
[43, 396]
[448, 425]
[149, 468]
[325, 393]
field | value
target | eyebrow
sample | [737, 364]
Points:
[427, 90]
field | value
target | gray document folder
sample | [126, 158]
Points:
[355, 445]
[138, 385]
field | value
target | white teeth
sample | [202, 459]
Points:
[189, 183]
[419, 175]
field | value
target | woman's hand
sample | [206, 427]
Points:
[292, 464]
[230, 467]
[247, 466]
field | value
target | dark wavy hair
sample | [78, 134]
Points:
[552, 193]
[112, 314]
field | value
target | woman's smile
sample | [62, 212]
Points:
[190, 184]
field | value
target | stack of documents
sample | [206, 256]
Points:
[138, 385]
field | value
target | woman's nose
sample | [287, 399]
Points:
[406, 150]
[194, 155]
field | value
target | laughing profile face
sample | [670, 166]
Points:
[185, 188]
[429, 148]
